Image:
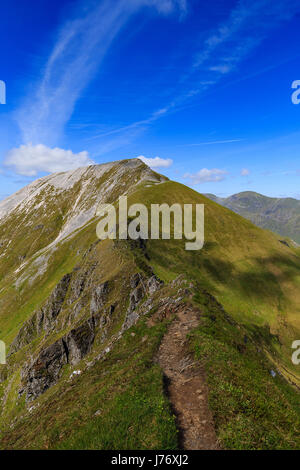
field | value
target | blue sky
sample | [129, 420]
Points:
[201, 90]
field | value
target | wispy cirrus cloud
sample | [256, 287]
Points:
[221, 68]
[133, 126]
[214, 142]
[82, 44]
[223, 50]
[235, 39]
[74, 60]
[166, 6]
[84, 41]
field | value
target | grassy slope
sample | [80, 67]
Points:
[252, 410]
[27, 235]
[125, 389]
[117, 404]
[256, 279]
[252, 274]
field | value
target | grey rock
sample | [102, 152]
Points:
[45, 371]
[44, 318]
[79, 282]
[153, 284]
[76, 288]
[79, 341]
[136, 296]
[135, 280]
[98, 299]
[55, 302]
[131, 319]
[141, 288]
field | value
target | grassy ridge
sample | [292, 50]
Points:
[119, 403]
[254, 276]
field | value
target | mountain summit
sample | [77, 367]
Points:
[107, 339]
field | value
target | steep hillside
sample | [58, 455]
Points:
[89, 324]
[36, 220]
[281, 215]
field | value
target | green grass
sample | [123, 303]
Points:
[254, 276]
[252, 410]
[126, 389]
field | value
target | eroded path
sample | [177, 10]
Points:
[186, 385]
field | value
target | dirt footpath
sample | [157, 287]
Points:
[186, 385]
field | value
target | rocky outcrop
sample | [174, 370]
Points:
[80, 340]
[69, 290]
[46, 369]
[77, 286]
[98, 299]
[140, 288]
[44, 318]
[54, 304]
[153, 284]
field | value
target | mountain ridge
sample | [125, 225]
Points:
[280, 215]
[84, 319]
[65, 201]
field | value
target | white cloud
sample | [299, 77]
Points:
[156, 162]
[245, 172]
[29, 160]
[207, 176]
